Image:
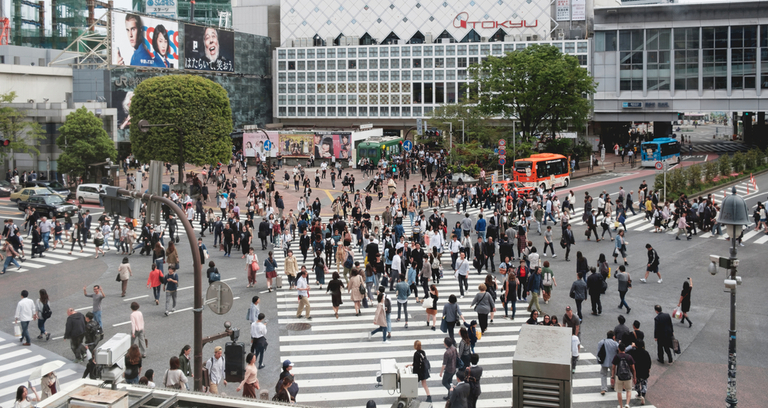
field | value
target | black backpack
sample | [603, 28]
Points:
[47, 313]
[623, 371]
[601, 354]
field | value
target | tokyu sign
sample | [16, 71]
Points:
[462, 21]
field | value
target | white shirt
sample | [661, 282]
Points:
[216, 369]
[25, 310]
[462, 267]
[258, 329]
[396, 262]
[302, 286]
[455, 246]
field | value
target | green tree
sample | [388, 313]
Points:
[84, 141]
[738, 161]
[23, 135]
[724, 163]
[539, 86]
[199, 111]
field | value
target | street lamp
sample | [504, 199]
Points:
[734, 214]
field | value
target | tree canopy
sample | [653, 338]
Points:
[84, 141]
[199, 112]
[22, 134]
[538, 86]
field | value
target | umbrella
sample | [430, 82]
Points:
[46, 368]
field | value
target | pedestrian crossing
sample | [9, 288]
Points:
[720, 147]
[18, 362]
[341, 366]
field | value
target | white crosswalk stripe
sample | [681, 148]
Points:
[18, 362]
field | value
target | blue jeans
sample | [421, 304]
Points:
[623, 302]
[159, 262]
[481, 234]
[8, 260]
[550, 216]
[41, 324]
[156, 292]
[97, 316]
[383, 331]
[389, 322]
[514, 305]
[46, 237]
[25, 332]
[132, 380]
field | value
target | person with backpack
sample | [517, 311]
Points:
[547, 282]
[421, 367]
[653, 263]
[623, 369]
[44, 313]
[606, 350]
[215, 368]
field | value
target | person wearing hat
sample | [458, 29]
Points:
[215, 366]
[294, 388]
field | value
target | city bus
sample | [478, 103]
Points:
[661, 149]
[545, 170]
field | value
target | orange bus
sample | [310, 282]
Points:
[545, 170]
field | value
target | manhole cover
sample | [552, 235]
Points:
[298, 326]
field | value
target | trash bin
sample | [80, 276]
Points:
[541, 369]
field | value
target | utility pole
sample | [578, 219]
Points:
[450, 133]
[462, 130]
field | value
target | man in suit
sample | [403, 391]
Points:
[88, 220]
[592, 225]
[663, 333]
[490, 253]
[481, 258]
[595, 289]
[473, 378]
[305, 241]
[218, 226]
[629, 205]
[569, 240]
[460, 392]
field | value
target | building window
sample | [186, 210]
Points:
[351, 111]
[281, 112]
[417, 62]
[352, 99]
[764, 56]
[428, 63]
[394, 52]
[439, 92]
[291, 65]
[462, 62]
[302, 88]
[439, 74]
[373, 111]
[582, 60]
[405, 52]
[310, 77]
[351, 76]
[373, 76]
[373, 88]
[428, 75]
[428, 89]
[743, 57]
[417, 75]
[291, 54]
[281, 77]
[291, 88]
[310, 100]
[394, 63]
[451, 92]
[352, 64]
[472, 60]
[331, 111]
[406, 111]
[384, 76]
[281, 54]
[363, 99]
[320, 111]
[362, 53]
[687, 59]
[605, 41]
[311, 111]
[496, 49]
[362, 64]
[384, 52]
[291, 99]
[331, 76]
[342, 76]
[320, 65]
[310, 88]
[450, 74]
[320, 54]
[373, 52]
[351, 53]
[311, 65]
[485, 49]
[332, 65]
[281, 66]
[384, 111]
[281, 100]
[362, 76]
[417, 111]
[302, 65]
[406, 63]
[395, 87]
[416, 51]
[331, 53]
[394, 111]
[331, 99]
[462, 75]
[631, 60]
[383, 64]
[714, 44]
[342, 100]
[658, 73]
[302, 100]
[310, 54]
[321, 76]
[363, 88]
[301, 77]
[373, 64]
[362, 111]
[281, 88]
[406, 75]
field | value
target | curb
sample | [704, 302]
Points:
[729, 184]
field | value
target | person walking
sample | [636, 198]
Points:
[685, 301]
[380, 318]
[10, 255]
[663, 332]
[259, 339]
[534, 288]
[250, 382]
[606, 351]
[595, 283]
[653, 263]
[625, 282]
[547, 282]
[251, 267]
[432, 302]
[26, 311]
[620, 247]
[420, 367]
[448, 368]
[133, 362]
[318, 264]
[522, 272]
[184, 364]
[578, 293]
[270, 270]
[174, 377]
[474, 373]
[334, 288]
[623, 369]
[303, 291]
[44, 313]
[462, 270]
[171, 286]
[74, 332]
[97, 296]
[483, 304]
[642, 368]
[509, 296]
[451, 314]
[356, 290]
[154, 281]
[137, 329]
[403, 292]
[216, 374]
[124, 272]
[568, 240]
[291, 269]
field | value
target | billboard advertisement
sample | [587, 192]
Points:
[332, 144]
[579, 10]
[296, 144]
[563, 10]
[142, 41]
[253, 144]
[161, 8]
[209, 48]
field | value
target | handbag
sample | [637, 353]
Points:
[117, 279]
[426, 305]
[563, 244]
[361, 288]
[255, 266]
[443, 327]
[675, 346]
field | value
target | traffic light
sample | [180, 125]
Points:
[234, 362]
[5, 142]
[437, 133]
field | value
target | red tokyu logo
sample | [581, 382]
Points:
[462, 21]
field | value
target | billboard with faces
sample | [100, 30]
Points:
[209, 48]
[142, 41]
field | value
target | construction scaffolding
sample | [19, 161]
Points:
[55, 24]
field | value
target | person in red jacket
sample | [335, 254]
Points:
[155, 282]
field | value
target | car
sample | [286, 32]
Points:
[88, 193]
[50, 205]
[26, 192]
[54, 185]
[6, 188]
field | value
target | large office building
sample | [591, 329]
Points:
[387, 63]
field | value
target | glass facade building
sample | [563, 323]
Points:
[385, 81]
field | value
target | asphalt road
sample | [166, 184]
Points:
[698, 377]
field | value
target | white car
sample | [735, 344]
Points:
[88, 193]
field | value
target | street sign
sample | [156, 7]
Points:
[219, 297]
[267, 145]
[366, 126]
[502, 142]
[496, 151]
[659, 165]
[154, 208]
[407, 145]
[502, 161]
[502, 152]
[419, 127]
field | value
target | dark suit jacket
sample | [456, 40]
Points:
[569, 237]
[662, 327]
[480, 251]
[459, 395]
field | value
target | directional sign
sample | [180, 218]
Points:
[502, 142]
[502, 152]
[502, 161]
[407, 145]
[267, 145]
[219, 297]
[496, 151]
[659, 165]
[419, 127]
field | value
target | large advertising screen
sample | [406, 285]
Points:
[142, 41]
[296, 144]
[253, 144]
[332, 144]
[209, 48]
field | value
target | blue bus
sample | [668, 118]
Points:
[661, 149]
